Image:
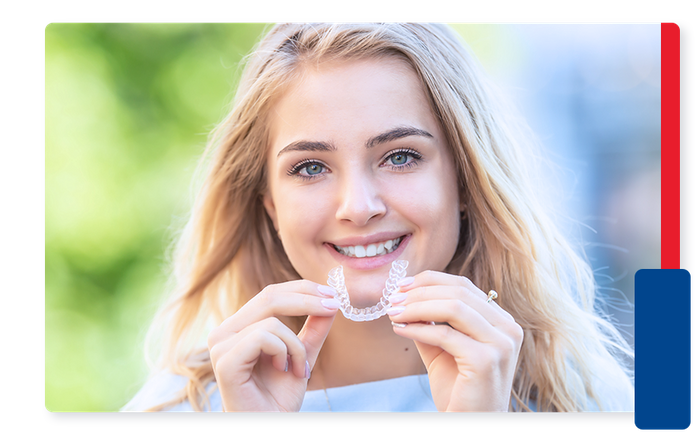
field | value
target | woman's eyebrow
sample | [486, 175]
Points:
[396, 133]
[307, 146]
[387, 136]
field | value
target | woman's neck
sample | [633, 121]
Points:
[359, 352]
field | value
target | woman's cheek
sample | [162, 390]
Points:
[306, 220]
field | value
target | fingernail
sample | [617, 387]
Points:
[330, 304]
[397, 298]
[327, 291]
[399, 325]
[286, 365]
[405, 281]
[307, 371]
[395, 310]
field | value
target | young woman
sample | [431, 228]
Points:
[358, 146]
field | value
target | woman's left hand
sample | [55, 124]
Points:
[472, 350]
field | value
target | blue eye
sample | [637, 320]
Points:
[401, 159]
[313, 169]
[307, 169]
[398, 158]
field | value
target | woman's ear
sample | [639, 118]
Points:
[270, 209]
[463, 211]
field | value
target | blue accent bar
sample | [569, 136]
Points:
[662, 349]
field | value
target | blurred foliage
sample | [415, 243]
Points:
[128, 111]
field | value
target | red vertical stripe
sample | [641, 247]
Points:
[670, 146]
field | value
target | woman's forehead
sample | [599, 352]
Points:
[359, 98]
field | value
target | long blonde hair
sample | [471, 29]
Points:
[229, 251]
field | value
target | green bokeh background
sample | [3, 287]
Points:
[128, 111]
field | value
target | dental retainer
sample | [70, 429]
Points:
[336, 280]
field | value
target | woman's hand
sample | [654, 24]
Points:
[259, 363]
[472, 350]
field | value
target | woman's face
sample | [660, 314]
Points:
[360, 175]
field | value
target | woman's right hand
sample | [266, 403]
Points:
[250, 350]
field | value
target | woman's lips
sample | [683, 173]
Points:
[372, 262]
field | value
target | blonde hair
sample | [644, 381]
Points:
[229, 251]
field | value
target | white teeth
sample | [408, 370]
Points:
[370, 250]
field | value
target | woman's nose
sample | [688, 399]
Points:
[360, 201]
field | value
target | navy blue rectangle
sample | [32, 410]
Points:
[662, 349]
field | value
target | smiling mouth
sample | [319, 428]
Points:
[370, 250]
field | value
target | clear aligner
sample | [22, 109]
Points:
[336, 280]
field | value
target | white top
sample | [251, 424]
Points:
[403, 394]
